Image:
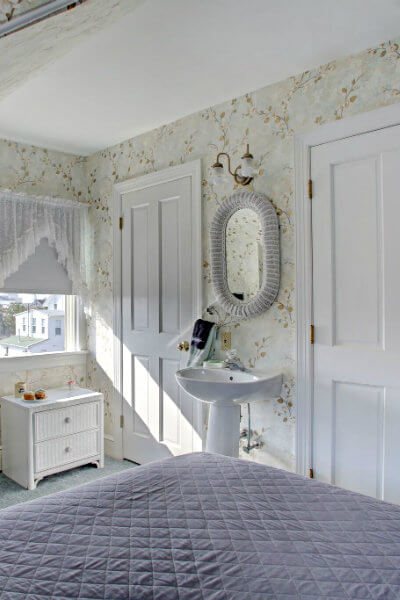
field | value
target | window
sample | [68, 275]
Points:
[55, 306]
[28, 332]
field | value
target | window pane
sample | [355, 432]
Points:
[30, 323]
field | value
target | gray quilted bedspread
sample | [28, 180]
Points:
[201, 526]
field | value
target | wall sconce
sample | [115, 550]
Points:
[243, 174]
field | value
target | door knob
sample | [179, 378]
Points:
[184, 346]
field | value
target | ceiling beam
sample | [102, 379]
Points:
[36, 15]
[28, 50]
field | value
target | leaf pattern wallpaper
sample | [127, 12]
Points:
[267, 119]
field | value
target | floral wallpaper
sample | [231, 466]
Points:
[25, 168]
[267, 119]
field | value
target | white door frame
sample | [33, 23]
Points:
[190, 169]
[380, 118]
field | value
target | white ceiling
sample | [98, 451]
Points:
[169, 58]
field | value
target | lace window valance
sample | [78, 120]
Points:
[25, 220]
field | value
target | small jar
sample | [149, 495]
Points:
[29, 396]
[19, 389]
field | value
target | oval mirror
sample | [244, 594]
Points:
[244, 254]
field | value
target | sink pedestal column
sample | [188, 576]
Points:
[223, 429]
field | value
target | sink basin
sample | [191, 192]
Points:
[223, 386]
[225, 390]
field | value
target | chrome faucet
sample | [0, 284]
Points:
[233, 362]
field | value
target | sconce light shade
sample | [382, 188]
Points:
[218, 174]
[247, 168]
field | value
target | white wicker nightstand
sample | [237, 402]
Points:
[47, 436]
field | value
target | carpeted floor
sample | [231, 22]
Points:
[12, 493]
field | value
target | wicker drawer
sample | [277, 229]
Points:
[68, 449]
[55, 423]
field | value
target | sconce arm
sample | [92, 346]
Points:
[228, 158]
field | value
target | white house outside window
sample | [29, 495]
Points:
[30, 325]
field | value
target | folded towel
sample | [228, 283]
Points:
[201, 346]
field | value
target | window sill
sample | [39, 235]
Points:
[46, 360]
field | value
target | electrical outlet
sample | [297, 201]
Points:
[225, 340]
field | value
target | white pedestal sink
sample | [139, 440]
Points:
[225, 391]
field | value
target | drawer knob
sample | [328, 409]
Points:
[67, 449]
[68, 419]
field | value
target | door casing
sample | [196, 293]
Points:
[374, 120]
[113, 441]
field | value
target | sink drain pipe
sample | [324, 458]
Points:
[249, 446]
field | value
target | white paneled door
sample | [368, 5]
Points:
[160, 247]
[356, 279]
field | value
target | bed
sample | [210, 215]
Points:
[201, 526]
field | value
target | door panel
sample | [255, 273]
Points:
[170, 266]
[140, 267]
[357, 267]
[357, 424]
[158, 311]
[143, 416]
[356, 289]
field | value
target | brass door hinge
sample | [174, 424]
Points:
[121, 222]
[121, 421]
[311, 334]
[311, 474]
[310, 188]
